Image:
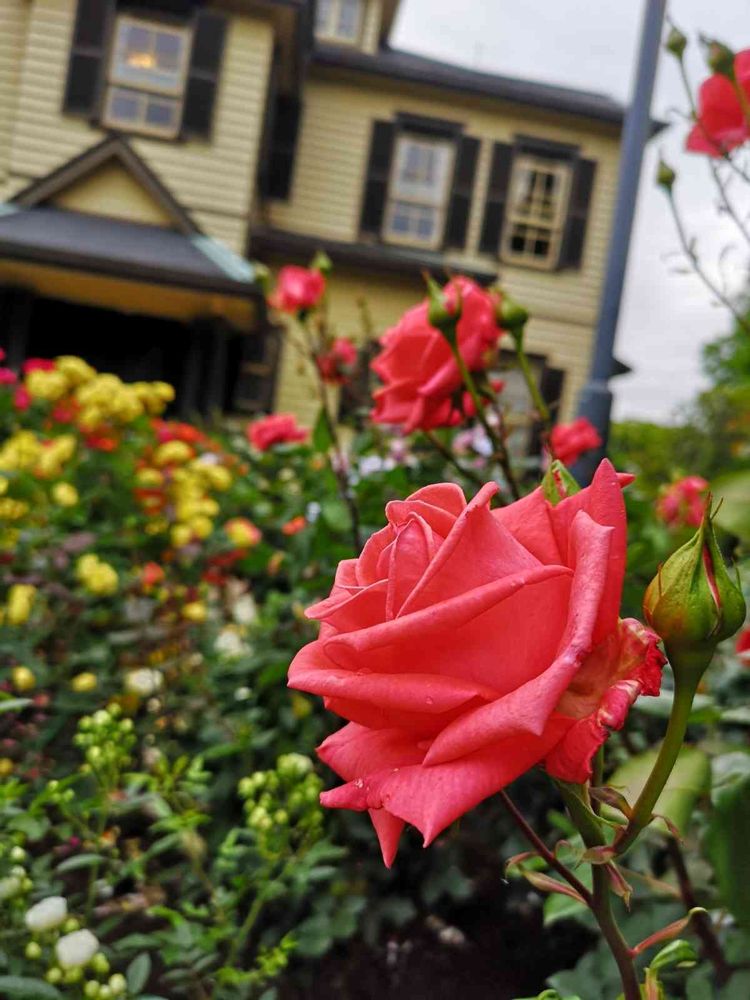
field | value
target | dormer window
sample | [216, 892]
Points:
[339, 20]
[147, 76]
[419, 191]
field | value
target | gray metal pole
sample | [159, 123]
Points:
[596, 396]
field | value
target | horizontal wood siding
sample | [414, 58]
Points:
[13, 20]
[334, 142]
[214, 180]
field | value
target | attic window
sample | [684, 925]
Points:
[339, 20]
[537, 210]
[147, 74]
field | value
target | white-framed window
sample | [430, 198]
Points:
[147, 74]
[418, 190]
[537, 210]
[339, 20]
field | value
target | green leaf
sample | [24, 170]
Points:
[733, 489]
[321, 435]
[675, 953]
[336, 515]
[704, 708]
[14, 704]
[21, 988]
[690, 779]
[137, 972]
[727, 839]
[79, 861]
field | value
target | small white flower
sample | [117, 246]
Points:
[49, 913]
[138, 610]
[144, 681]
[9, 887]
[228, 643]
[242, 694]
[76, 949]
[245, 610]
[312, 512]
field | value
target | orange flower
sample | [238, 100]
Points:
[294, 526]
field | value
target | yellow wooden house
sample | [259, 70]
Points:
[151, 151]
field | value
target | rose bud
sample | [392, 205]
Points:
[693, 603]
[440, 313]
[676, 42]
[512, 316]
[665, 176]
[720, 59]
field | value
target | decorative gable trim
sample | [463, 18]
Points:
[113, 148]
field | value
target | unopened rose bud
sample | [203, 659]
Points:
[693, 603]
[512, 316]
[720, 58]
[558, 483]
[665, 176]
[322, 262]
[439, 314]
[676, 42]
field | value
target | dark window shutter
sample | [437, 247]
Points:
[88, 48]
[378, 173]
[203, 74]
[257, 367]
[463, 188]
[283, 153]
[571, 253]
[497, 195]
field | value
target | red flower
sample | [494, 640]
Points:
[336, 364]
[37, 364]
[569, 441]
[682, 503]
[742, 646]
[66, 412]
[101, 442]
[21, 398]
[297, 289]
[278, 428]
[173, 430]
[7, 377]
[721, 124]
[294, 526]
[2, 354]
[421, 378]
[466, 645]
[151, 575]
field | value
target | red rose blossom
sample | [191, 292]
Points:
[151, 575]
[569, 441]
[742, 646]
[278, 428]
[336, 363]
[721, 124]
[466, 645]
[22, 398]
[297, 289]
[294, 526]
[7, 377]
[421, 379]
[682, 504]
[37, 364]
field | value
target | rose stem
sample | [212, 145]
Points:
[501, 452]
[448, 455]
[544, 852]
[704, 927]
[536, 397]
[685, 684]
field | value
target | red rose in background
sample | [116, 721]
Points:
[742, 646]
[682, 504]
[294, 526]
[278, 428]
[22, 398]
[466, 645]
[7, 376]
[569, 441]
[721, 125]
[151, 575]
[421, 378]
[335, 364]
[173, 430]
[297, 289]
[37, 364]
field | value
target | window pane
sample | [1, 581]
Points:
[411, 221]
[348, 22]
[422, 170]
[149, 56]
[161, 114]
[124, 106]
[323, 15]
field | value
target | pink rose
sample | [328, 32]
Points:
[37, 364]
[466, 645]
[682, 503]
[337, 362]
[569, 441]
[7, 377]
[421, 379]
[721, 124]
[297, 289]
[21, 398]
[278, 428]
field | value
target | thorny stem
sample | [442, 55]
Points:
[541, 848]
[449, 457]
[500, 450]
[704, 927]
[693, 258]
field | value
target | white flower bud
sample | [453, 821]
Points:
[76, 949]
[144, 682]
[9, 886]
[48, 913]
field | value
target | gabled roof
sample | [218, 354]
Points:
[114, 148]
[412, 68]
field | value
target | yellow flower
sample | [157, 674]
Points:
[195, 611]
[20, 602]
[149, 478]
[173, 453]
[65, 494]
[82, 683]
[3, 486]
[22, 679]
[12, 510]
[50, 385]
[218, 477]
[201, 526]
[76, 370]
[6, 767]
[180, 535]
[97, 576]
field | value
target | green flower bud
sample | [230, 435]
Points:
[53, 975]
[118, 984]
[438, 313]
[33, 951]
[322, 262]
[676, 42]
[693, 602]
[665, 176]
[558, 483]
[91, 990]
[512, 316]
[720, 58]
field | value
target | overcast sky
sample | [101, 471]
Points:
[666, 315]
